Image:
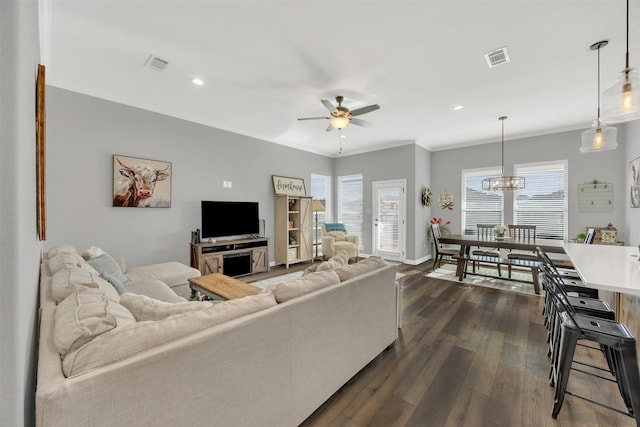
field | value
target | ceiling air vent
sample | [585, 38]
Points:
[156, 63]
[497, 57]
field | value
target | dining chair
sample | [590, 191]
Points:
[525, 234]
[441, 251]
[485, 231]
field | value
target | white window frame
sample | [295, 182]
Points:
[522, 168]
[480, 172]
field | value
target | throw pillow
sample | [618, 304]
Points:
[92, 252]
[69, 260]
[60, 249]
[105, 264]
[338, 235]
[66, 281]
[353, 270]
[144, 308]
[304, 285]
[117, 284]
[84, 315]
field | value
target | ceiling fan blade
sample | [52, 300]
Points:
[328, 105]
[361, 122]
[364, 110]
[314, 118]
[330, 127]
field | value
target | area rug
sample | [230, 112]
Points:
[448, 272]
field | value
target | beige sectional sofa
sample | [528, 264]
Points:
[266, 360]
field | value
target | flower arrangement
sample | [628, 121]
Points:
[499, 230]
[444, 227]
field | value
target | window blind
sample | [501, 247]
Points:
[544, 200]
[479, 206]
[350, 204]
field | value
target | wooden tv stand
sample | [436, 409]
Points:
[243, 256]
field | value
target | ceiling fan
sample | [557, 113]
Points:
[342, 116]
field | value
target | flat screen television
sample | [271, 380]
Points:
[226, 219]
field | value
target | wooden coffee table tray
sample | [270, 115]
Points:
[217, 286]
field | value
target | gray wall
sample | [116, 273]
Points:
[422, 217]
[84, 133]
[447, 166]
[19, 247]
[632, 151]
[383, 165]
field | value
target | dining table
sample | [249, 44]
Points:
[466, 242]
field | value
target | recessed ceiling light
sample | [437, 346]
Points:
[342, 135]
[196, 81]
[458, 107]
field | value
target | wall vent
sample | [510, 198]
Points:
[497, 57]
[156, 63]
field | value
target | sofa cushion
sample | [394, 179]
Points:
[303, 285]
[353, 270]
[153, 289]
[144, 308]
[92, 252]
[121, 343]
[69, 260]
[115, 282]
[85, 314]
[68, 280]
[105, 264]
[59, 249]
[172, 273]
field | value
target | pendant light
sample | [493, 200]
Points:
[503, 182]
[621, 102]
[600, 137]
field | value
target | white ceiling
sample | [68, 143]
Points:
[267, 63]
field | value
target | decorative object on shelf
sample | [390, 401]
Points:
[621, 103]
[503, 182]
[605, 235]
[445, 200]
[499, 230]
[427, 196]
[317, 206]
[595, 196]
[288, 186]
[41, 153]
[599, 137]
[292, 239]
[444, 227]
[634, 165]
[141, 183]
[290, 224]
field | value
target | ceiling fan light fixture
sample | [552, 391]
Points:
[339, 122]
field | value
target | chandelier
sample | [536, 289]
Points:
[503, 182]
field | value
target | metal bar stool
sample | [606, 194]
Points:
[614, 336]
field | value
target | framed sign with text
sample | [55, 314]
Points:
[288, 186]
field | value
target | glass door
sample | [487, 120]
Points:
[389, 219]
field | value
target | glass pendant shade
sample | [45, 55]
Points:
[339, 122]
[599, 138]
[621, 102]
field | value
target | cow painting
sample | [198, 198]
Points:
[141, 183]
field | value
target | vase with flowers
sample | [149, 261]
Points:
[443, 226]
[499, 230]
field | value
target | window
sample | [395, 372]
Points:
[350, 203]
[479, 206]
[320, 190]
[543, 202]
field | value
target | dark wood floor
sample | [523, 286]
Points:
[466, 356]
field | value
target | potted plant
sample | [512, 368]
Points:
[292, 239]
[499, 230]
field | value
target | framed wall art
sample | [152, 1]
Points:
[634, 166]
[141, 183]
[41, 154]
[288, 186]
